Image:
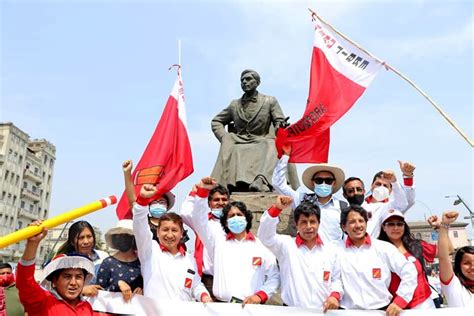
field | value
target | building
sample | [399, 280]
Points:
[26, 173]
[457, 234]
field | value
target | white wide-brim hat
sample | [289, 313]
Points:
[64, 261]
[311, 171]
[124, 226]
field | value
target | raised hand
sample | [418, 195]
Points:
[449, 217]
[207, 183]
[389, 175]
[127, 166]
[283, 201]
[406, 168]
[148, 190]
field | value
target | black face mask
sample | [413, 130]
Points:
[357, 199]
[123, 242]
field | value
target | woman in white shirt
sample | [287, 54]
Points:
[457, 284]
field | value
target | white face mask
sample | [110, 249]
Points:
[380, 193]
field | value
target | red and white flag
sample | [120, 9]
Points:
[167, 158]
[340, 73]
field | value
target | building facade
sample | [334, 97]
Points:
[26, 176]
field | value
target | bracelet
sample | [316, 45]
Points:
[444, 225]
[406, 176]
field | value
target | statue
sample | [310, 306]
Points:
[247, 155]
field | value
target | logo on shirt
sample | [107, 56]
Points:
[188, 283]
[257, 261]
[326, 276]
[376, 273]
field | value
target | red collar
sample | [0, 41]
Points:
[181, 249]
[367, 241]
[370, 199]
[249, 236]
[299, 241]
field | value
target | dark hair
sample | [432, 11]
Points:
[171, 217]
[243, 208]
[5, 265]
[457, 264]
[411, 244]
[353, 208]
[377, 175]
[218, 188]
[350, 179]
[70, 245]
[307, 209]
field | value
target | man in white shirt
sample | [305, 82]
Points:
[324, 180]
[366, 265]
[384, 184]
[309, 277]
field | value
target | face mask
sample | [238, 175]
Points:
[237, 224]
[123, 243]
[323, 189]
[217, 212]
[357, 199]
[380, 193]
[7, 279]
[157, 210]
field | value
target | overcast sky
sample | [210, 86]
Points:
[92, 78]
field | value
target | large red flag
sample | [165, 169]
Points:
[340, 73]
[167, 158]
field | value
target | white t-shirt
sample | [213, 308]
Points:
[456, 294]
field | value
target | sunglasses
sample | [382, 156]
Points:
[319, 180]
[395, 224]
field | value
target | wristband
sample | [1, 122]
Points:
[444, 225]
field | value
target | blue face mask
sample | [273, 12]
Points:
[157, 210]
[217, 212]
[323, 189]
[237, 224]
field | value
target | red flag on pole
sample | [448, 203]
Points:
[167, 158]
[340, 73]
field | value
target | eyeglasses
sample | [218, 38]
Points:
[319, 180]
[395, 224]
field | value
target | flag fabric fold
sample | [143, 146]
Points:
[167, 158]
[340, 73]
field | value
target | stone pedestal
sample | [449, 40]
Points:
[258, 203]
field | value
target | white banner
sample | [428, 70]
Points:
[143, 306]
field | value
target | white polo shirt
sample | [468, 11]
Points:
[165, 276]
[366, 274]
[241, 267]
[308, 276]
[456, 294]
[186, 212]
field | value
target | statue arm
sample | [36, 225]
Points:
[278, 118]
[219, 122]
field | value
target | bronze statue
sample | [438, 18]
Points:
[247, 155]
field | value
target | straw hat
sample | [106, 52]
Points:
[67, 261]
[311, 171]
[124, 226]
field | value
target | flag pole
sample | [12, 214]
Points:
[179, 52]
[410, 82]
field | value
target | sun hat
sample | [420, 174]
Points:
[67, 261]
[124, 226]
[311, 171]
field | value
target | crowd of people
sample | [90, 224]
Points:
[353, 254]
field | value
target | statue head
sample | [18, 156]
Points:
[249, 80]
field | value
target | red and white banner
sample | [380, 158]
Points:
[167, 158]
[340, 73]
[107, 303]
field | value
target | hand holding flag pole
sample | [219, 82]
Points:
[388, 67]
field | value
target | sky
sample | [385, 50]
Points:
[92, 78]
